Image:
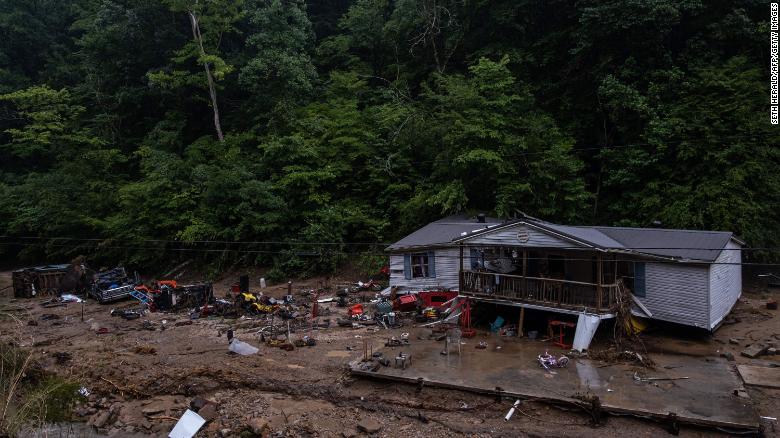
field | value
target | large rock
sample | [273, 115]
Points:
[754, 351]
[208, 412]
[369, 425]
[258, 425]
[101, 419]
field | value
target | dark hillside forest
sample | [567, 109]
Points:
[292, 134]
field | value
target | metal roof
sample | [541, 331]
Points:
[442, 231]
[693, 245]
[679, 244]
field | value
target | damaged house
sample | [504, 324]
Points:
[687, 277]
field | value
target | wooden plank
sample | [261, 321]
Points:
[520, 324]
[760, 376]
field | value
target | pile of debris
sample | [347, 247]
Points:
[112, 285]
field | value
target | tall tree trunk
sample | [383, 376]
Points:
[212, 88]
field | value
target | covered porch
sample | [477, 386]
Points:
[583, 281]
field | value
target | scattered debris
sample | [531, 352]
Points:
[188, 425]
[126, 313]
[512, 410]
[111, 285]
[62, 357]
[70, 298]
[548, 361]
[729, 357]
[144, 349]
[653, 379]
[369, 425]
[242, 348]
[768, 377]
[754, 350]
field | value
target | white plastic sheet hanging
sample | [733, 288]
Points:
[586, 328]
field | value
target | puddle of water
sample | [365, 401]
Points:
[588, 374]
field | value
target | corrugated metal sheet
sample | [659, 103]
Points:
[678, 293]
[725, 283]
[441, 232]
[447, 268]
[683, 244]
[586, 234]
[509, 236]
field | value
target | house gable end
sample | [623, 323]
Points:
[522, 234]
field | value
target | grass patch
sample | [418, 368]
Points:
[28, 395]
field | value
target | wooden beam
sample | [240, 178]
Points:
[524, 292]
[600, 269]
[520, 324]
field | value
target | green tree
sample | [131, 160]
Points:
[209, 21]
[279, 72]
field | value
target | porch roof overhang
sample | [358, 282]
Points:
[596, 239]
[539, 307]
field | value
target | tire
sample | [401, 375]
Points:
[563, 361]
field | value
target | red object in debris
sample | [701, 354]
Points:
[102, 331]
[357, 309]
[385, 271]
[436, 298]
[405, 303]
[170, 283]
[235, 288]
[771, 304]
[562, 325]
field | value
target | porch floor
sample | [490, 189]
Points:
[705, 398]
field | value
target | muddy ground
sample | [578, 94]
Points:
[142, 379]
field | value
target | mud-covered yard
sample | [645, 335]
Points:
[143, 375]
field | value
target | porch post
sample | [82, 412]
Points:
[460, 272]
[600, 270]
[525, 271]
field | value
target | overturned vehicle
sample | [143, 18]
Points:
[112, 285]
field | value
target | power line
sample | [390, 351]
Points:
[581, 149]
[382, 253]
[346, 243]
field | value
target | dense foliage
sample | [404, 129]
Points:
[151, 131]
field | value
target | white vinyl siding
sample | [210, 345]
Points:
[508, 237]
[447, 266]
[725, 283]
[678, 293]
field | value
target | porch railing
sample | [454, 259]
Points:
[574, 295]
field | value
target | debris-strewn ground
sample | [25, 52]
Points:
[142, 376]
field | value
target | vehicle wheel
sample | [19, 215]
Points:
[563, 361]
[376, 287]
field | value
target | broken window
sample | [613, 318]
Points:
[419, 265]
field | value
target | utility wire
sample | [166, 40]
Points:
[382, 253]
[295, 243]
[575, 150]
